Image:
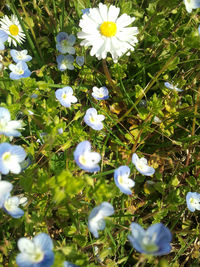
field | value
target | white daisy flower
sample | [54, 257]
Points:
[107, 33]
[13, 28]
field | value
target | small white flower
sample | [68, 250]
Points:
[191, 4]
[85, 159]
[5, 189]
[96, 218]
[172, 87]
[10, 158]
[122, 181]
[94, 120]
[193, 201]
[36, 252]
[142, 165]
[8, 127]
[11, 206]
[65, 96]
[106, 32]
[13, 28]
[100, 93]
[20, 55]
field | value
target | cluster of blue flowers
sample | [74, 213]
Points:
[64, 44]
[20, 69]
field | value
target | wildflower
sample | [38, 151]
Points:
[142, 166]
[100, 93]
[65, 43]
[193, 201]
[106, 32]
[94, 120]
[10, 158]
[96, 218]
[154, 241]
[60, 130]
[3, 39]
[13, 28]
[86, 159]
[36, 252]
[122, 181]
[191, 4]
[65, 62]
[18, 56]
[8, 127]
[65, 96]
[5, 189]
[172, 87]
[85, 11]
[69, 264]
[80, 60]
[11, 206]
[199, 29]
[18, 71]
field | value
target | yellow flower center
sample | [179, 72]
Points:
[82, 160]
[121, 180]
[6, 156]
[108, 28]
[14, 30]
[92, 119]
[64, 96]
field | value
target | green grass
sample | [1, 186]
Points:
[61, 195]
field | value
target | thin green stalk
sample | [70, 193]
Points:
[146, 89]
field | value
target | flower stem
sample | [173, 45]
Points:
[108, 76]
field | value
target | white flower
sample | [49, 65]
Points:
[96, 218]
[100, 93]
[107, 33]
[65, 96]
[13, 28]
[122, 181]
[7, 126]
[191, 4]
[10, 158]
[172, 87]
[142, 165]
[94, 120]
[20, 55]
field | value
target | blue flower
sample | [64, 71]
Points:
[18, 71]
[94, 120]
[18, 56]
[69, 264]
[36, 252]
[122, 181]
[193, 201]
[100, 93]
[142, 165]
[86, 159]
[5, 189]
[199, 29]
[8, 127]
[65, 62]
[172, 87]
[96, 218]
[80, 60]
[65, 43]
[85, 11]
[10, 158]
[65, 96]
[191, 4]
[11, 206]
[154, 241]
[3, 39]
